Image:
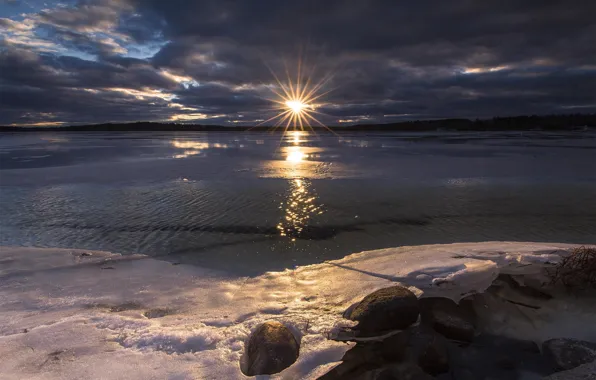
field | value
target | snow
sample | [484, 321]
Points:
[65, 314]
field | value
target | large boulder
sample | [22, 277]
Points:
[448, 318]
[567, 353]
[271, 348]
[384, 310]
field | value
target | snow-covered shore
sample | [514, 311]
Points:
[71, 314]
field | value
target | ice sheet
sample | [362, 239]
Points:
[65, 314]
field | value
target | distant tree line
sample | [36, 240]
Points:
[516, 123]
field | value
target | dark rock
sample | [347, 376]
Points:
[505, 362]
[583, 372]
[496, 358]
[366, 356]
[349, 370]
[271, 348]
[524, 290]
[384, 310]
[429, 350]
[448, 318]
[124, 307]
[389, 350]
[158, 313]
[568, 353]
[405, 371]
[394, 348]
[466, 374]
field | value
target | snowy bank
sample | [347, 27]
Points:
[70, 314]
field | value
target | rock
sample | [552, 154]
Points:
[366, 356]
[429, 350]
[415, 345]
[568, 353]
[271, 348]
[509, 345]
[497, 358]
[505, 362]
[583, 372]
[386, 309]
[448, 319]
[523, 289]
[347, 370]
[394, 348]
[158, 313]
[405, 371]
[466, 374]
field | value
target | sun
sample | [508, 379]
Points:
[296, 100]
[296, 106]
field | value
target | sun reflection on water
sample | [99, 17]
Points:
[194, 148]
[297, 137]
[299, 208]
[295, 154]
[301, 203]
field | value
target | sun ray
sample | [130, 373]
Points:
[281, 85]
[318, 86]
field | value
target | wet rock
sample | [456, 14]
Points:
[583, 372]
[448, 318]
[271, 348]
[566, 353]
[384, 310]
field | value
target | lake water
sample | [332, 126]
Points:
[250, 202]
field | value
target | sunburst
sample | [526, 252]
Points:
[297, 99]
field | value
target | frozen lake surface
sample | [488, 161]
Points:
[251, 202]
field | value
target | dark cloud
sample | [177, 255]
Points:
[120, 60]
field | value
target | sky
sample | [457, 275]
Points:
[216, 62]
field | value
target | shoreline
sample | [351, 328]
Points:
[138, 311]
[546, 123]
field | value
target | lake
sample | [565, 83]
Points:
[249, 202]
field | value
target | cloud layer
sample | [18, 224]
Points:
[209, 61]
